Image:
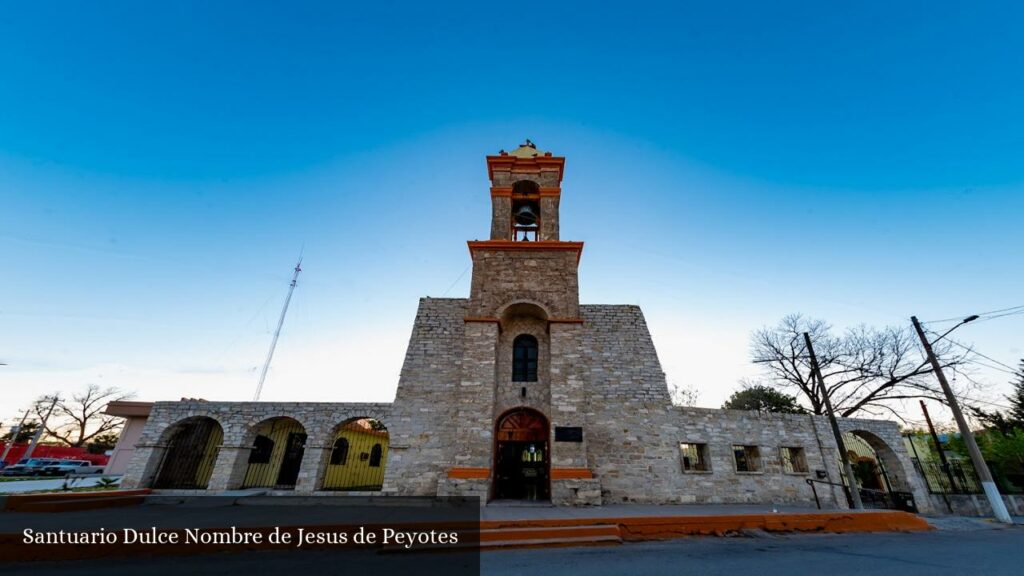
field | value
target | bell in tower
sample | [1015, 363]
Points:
[525, 192]
[525, 211]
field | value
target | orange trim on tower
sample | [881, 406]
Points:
[570, 473]
[534, 164]
[469, 473]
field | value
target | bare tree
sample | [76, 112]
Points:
[683, 395]
[866, 370]
[79, 419]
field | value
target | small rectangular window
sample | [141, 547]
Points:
[794, 461]
[748, 458]
[694, 457]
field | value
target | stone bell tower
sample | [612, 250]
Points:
[521, 378]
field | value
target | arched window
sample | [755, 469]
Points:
[375, 455]
[262, 448]
[524, 359]
[339, 455]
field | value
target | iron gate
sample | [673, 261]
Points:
[190, 455]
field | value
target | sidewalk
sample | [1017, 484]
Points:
[22, 486]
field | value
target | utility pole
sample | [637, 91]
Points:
[942, 455]
[277, 333]
[938, 447]
[991, 492]
[14, 435]
[847, 468]
[42, 428]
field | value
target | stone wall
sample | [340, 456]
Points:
[502, 277]
[425, 411]
[603, 375]
[973, 504]
[508, 394]
[239, 421]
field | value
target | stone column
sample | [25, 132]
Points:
[567, 394]
[572, 482]
[474, 421]
[229, 470]
[314, 460]
[143, 466]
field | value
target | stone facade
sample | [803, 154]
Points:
[598, 379]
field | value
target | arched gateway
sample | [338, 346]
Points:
[521, 456]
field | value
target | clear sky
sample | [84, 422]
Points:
[162, 166]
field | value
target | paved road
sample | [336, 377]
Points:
[960, 549]
[18, 486]
[956, 552]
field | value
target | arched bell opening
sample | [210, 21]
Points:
[525, 211]
[522, 456]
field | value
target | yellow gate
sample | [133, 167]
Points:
[358, 456]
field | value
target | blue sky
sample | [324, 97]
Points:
[727, 163]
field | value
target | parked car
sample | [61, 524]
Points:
[30, 467]
[65, 467]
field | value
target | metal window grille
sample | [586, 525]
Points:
[694, 457]
[748, 458]
[794, 460]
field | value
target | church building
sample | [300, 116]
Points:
[518, 392]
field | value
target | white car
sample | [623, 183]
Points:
[65, 467]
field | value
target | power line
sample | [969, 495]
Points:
[456, 280]
[982, 314]
[987, 318]
[1011, 369]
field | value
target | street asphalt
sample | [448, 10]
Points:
[963, 552]
[961, 546]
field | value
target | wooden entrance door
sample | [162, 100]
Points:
[521, 456]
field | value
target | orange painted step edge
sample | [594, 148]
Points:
[657, 527]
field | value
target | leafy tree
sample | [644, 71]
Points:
[102, 443]
[1013, 418]
[866, 370]
[25, 433]
[763, 399]
[1002, 442]
[1016, 398]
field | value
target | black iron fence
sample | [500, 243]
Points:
[959, 477]
[954, 477]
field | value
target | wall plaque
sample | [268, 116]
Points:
[568, 434]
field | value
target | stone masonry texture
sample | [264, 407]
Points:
[597, 370]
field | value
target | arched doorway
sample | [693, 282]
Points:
[878, 473]
[521, 456]
[191, 452]
[359, 453]
[276, 454]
